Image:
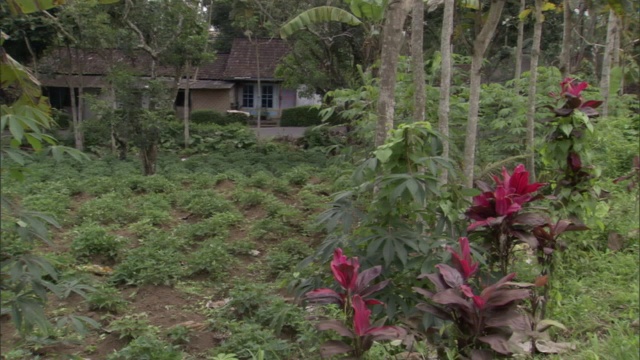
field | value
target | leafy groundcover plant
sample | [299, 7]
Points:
[354, 301]
[481, 321]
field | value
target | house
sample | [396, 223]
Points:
[229, 82]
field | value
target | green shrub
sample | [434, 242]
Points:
[148, 347]
[249, 339]
[303, 116]
[107, 209]
[249, 198]
[300, 116]
[132, 326]
[93, 239]
[298, 175]
[261, 180]
[212, 258]
[319, 136]
[106, 298]
[241, 247]
[202, 202]
[286, 255]
[148, 264]
[208, 117]
[149, 184]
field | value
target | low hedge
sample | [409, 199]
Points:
[215, 117]
[303, 116]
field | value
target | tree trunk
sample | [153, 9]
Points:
[395, 16]
[187, 108]
[114, 106]
[80, 100]
[605, 80]
[519, 43]
[479, 48]
[565, 52]
[445, 81]
[533, 79]
[149, 156]
[417, 59]
[74, 108]
[259, 100]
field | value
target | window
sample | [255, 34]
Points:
[267, 96]
[247, 96]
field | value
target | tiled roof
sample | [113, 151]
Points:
[240, 63]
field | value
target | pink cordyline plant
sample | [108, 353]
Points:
[511, 192]
[462, 260]
[571, 93]
[346, 273]
[353, 301]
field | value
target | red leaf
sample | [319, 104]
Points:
[426, 293]
[450, 297]
[592, 103]
[502, 297]
[373, 288]
[334, 347]
[336, 326]
[435, 311]
[324, 296]
[365, 277]
[451, 276]
[497, 342]
[386, 333]
[531, 219]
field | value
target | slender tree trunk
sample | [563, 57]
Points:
[565, 52]
[396, 14]
[519, 43]
[605, 80]
[533, 79]
[187, 108]
[445, 81]
[114, 106]
[74, 108]
[479, 48]
[259, 100]
[80, 99]
[417, 59]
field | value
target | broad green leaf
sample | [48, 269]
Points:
[383, 154]
[523, 15]
[317, 15]
[30, 6]
[548, 6]
[566, 128]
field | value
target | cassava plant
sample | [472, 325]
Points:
[498, 212]
[481, 322]
[566, 150]
[354, 299]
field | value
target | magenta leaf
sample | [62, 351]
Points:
[451, 297]
[435, 311]
[437, 280]
[497, 342]
[334, 347]
[531, 219]
[451, 276]
[503, 297]
[365, 277]
[324, 296]
[336, 326]
[386, 333]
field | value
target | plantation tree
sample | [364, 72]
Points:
[533, 79]
[565, 48]
[392, 34]
[520, 40]
[480, 45]
[417, 59]
[607, 61]
[445, 80]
